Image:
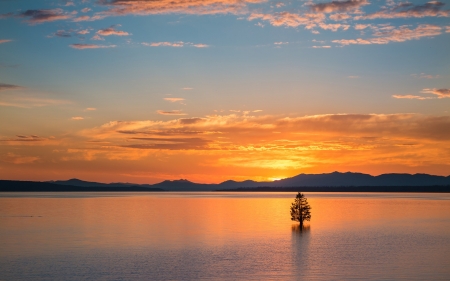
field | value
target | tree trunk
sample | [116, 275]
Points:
[301, 223]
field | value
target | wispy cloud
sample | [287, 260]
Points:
[41, 16]
[441, 93]
[29, 101]
[412, 97]
[171, 112]
[290, 19]
[77, 118]
[426, 76]
[83, 32]
[409, 10]
[174, 99]
[23, 138]
[200, 45]
[164, 44]
[19, 159]
[187, 88]
[401, 34]
[90, 46]
[88, 18]
[4, 87]
[338, 16]
[5, 41]
[90, 109]
[112, 31]
[85, 10]
[148, 7]
[338, 6]
[62, 33]
[176, 44]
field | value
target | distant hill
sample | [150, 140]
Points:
[359, 179]
[30, 186]
[335, 181]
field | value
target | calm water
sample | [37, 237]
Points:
[223, 236]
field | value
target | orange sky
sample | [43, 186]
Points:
[238, 146]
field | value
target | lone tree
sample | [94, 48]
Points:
[300, 209]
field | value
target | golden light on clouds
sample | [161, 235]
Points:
[241, 146]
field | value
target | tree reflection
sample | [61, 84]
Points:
[297, 229]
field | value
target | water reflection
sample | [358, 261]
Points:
[301, 252]
[300, 230]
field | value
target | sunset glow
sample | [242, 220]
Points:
[144, 91]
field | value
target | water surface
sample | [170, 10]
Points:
[223, 236]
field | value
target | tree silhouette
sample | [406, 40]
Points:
[300, 209]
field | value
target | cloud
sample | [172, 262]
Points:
[321, 47]
[88, 18]
[29, 101]
[409, 10]
[277, 133]
[24, 138]
[338, 6]
[18, 159]
[338, 17]
[441, 93]
[176, 44]
[426, 76]
[90, 109]
[77, 118]
[98, 38]
[111, 31]
[334, 27]
[200, 45]
[169, 143]
[41, 16]
[172, 112]
[164, 44]
[280, 43]
[151, 7]
[174, 99]
[90, 46]
[447, 29]
[187, 88]
[5, 87]
[411, 97]
[83, 32]
[289, 19]
[361, 26]
[5, 41]
[62, 33]
[401, 34]
[85, 10]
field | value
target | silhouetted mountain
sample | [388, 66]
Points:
[359, 179]
[78, 182]
[30, 186]
[308, 182]
[236, 184]
[184, 185]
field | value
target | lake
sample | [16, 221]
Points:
[223, 236]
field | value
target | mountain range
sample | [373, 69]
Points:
[335, 181]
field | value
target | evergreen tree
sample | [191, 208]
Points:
[300, 209]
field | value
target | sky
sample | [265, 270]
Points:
[211, 90]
